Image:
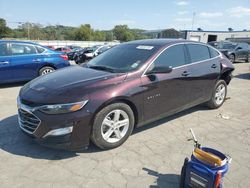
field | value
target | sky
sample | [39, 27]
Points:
[143, 14]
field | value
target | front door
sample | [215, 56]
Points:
[166, 93]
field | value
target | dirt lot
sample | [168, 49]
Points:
[152, 157]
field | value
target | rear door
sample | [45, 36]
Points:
[205, 70]
[5, 68]
[168, 92]
[24, 61]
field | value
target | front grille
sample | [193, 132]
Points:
[28, 121]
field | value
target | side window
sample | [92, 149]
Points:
[22, 49]
[213, 53]
[40, 49]
[3, 49]
[198, 52]
[173, 56]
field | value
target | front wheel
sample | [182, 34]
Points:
[219, 95]
[112, 126]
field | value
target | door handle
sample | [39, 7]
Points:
[37, 60]
[4, 62]
[214, 66]
[185, 73]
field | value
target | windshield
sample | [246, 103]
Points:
[123, 58]
[223, 45]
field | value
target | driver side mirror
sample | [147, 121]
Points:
[160, 70]
[238, 48]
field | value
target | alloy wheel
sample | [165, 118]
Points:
[220, 94]
[115, 126]
[46, 71]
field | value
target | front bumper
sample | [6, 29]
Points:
[44, 123]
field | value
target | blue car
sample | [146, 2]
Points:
[24, 61]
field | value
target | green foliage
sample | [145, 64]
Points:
[84, 32]
[99, 36]
[123, 33]
[109, 35]
[59, 32]
[4, 30]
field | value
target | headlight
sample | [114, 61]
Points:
[63, 108]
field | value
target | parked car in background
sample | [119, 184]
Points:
[89, 53]
[73, 47]
[103, 49]
[23, 61]
[72, 54]
[63, 49]
[116, 91]
[51, 47]
[234, 51]
[213, 43]
[79, 56]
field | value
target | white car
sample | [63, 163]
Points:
[94, 51]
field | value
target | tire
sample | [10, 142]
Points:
[108, 135]
[83, 59]
[231, 58]
[183, 173]
[219, 95]
[46, 70]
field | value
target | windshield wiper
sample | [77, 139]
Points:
[98, 67]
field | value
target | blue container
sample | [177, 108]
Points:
[203, 175]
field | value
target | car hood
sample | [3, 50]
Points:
[70, 84]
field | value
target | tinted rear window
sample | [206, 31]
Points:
[213, 53]
[198, 52]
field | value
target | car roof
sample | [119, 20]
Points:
[159, 42]
[24, 42]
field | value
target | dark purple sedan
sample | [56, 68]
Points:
[128, 86]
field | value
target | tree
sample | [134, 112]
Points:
[84, 32]
[109, 36]
[123, 33]
[99, 36]
[4, 30]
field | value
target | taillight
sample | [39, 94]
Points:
[217, 180]
[64, 56]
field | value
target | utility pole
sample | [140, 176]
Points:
[28, 24]
[28, 30]
[193, 21]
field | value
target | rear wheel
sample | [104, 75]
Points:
[46, 70]
[112, 126]
[219, 95]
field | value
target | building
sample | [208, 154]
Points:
[200, 35]
[208, 36]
